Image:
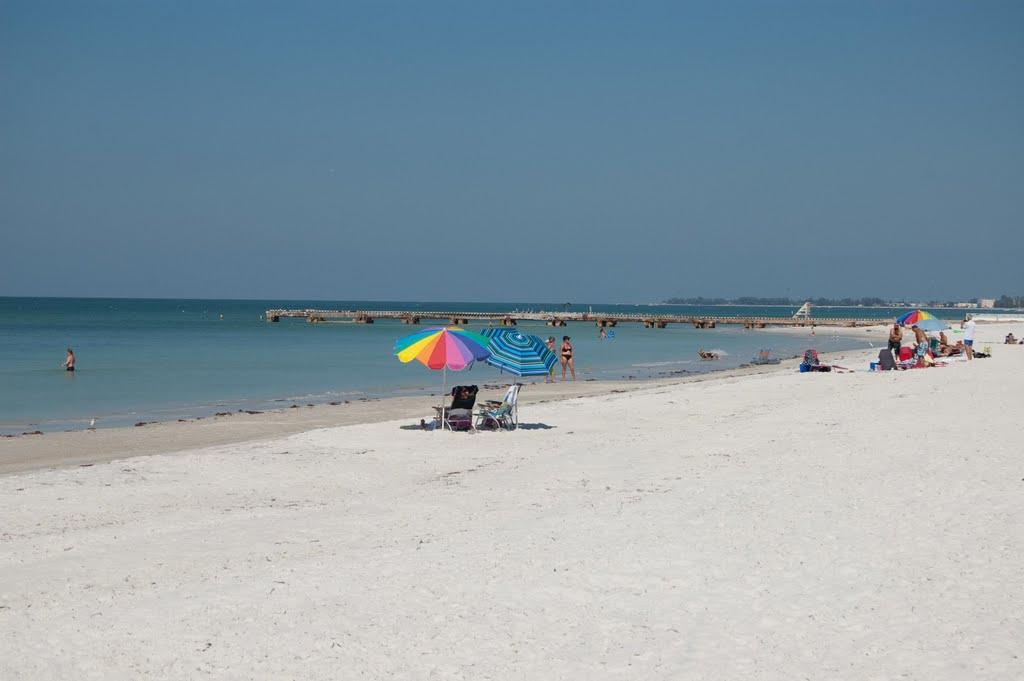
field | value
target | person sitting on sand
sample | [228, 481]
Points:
[944, 347]
[69, 361]
[951, 350]
[813, 363]
[1011, 339]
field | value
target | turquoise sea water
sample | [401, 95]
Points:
[146, 360]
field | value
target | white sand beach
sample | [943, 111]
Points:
[769, 525]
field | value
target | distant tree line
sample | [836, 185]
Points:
[753, 300]
[1010, 301]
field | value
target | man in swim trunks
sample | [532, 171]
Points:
[895, 339]
[921, 338]
[968, 326]
[69, 361]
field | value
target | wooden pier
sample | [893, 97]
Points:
[455, 317]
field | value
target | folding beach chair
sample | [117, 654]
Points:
[458, 419]
[504, 414]
[460, 415]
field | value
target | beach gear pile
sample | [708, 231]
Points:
[455, 348]
[812, 362]
[926, 350]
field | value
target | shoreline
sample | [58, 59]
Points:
[96, 396]
[23, 453]
[66, 449]
[52, 407]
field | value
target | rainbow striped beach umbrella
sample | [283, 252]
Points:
[444, 348]
[922, 320]
[449, 347]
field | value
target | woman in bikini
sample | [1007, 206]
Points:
[567, 360]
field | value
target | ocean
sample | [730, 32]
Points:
[151, 360]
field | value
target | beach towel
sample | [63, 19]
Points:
[464, 402]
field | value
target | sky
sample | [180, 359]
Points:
[543, 151]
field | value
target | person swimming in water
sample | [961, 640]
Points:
[69, 361]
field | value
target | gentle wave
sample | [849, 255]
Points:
[654, 365]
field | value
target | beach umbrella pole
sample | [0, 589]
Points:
[444, 388]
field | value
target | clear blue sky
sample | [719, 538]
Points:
[549, 151]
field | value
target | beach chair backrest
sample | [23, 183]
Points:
[467, 402]
[511, 395]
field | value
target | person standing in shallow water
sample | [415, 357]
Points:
[567, 360]
[69, 361]
[550, 342]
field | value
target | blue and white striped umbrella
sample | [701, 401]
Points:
[518, 353]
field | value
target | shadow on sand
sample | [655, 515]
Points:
[522, 426]
[535, 426]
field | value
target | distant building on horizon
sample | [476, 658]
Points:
[987, 302]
